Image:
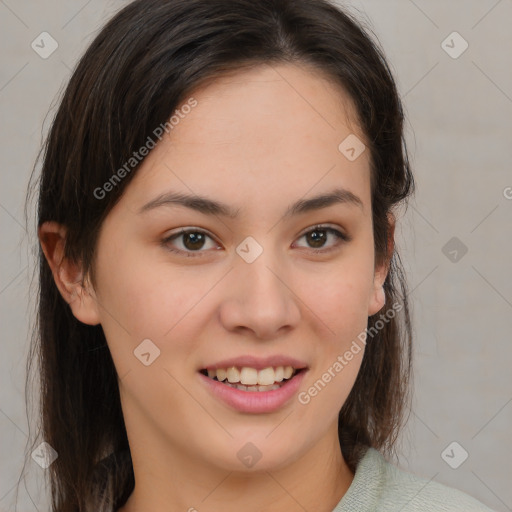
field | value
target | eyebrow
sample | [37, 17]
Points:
[210, 207]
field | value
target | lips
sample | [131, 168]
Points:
[273, 380]
[265, 399]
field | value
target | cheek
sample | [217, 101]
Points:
[340, 316]
[141, 299]
[137, 286]
[339, 302]
[338, 295]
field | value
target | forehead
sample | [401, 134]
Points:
[270, 132]
[272, 98]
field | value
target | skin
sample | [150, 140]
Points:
[258, 141]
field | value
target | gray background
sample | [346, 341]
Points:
[459, 131]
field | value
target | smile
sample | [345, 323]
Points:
[251, 379]
[253, 398]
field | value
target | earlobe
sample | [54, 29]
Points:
[377, 302]
[67, 274]
[378, 297]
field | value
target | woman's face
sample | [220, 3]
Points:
[246, 286]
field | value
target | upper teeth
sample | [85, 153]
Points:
[250, 376]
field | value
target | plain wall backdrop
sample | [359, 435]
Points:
[455, 238]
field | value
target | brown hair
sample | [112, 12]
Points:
[134, 74]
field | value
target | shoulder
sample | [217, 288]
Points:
[381, 486]
[413, 492]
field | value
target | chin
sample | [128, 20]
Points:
[253, 453]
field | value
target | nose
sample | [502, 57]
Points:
[260, 299]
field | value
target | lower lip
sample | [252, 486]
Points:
[255, 401]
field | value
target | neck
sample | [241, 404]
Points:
[317, 480]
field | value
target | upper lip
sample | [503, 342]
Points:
[259, 363]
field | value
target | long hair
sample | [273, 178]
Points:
[132, 77]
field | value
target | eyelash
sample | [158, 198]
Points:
[194, 254]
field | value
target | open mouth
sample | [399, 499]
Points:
[250, 379]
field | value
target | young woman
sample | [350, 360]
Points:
[223, 318]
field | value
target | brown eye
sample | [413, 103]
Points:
[319, 235]
[192, 240]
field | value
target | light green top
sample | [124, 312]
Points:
[380, 486]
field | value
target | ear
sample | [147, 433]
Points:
[67, 274]
[377, 297]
